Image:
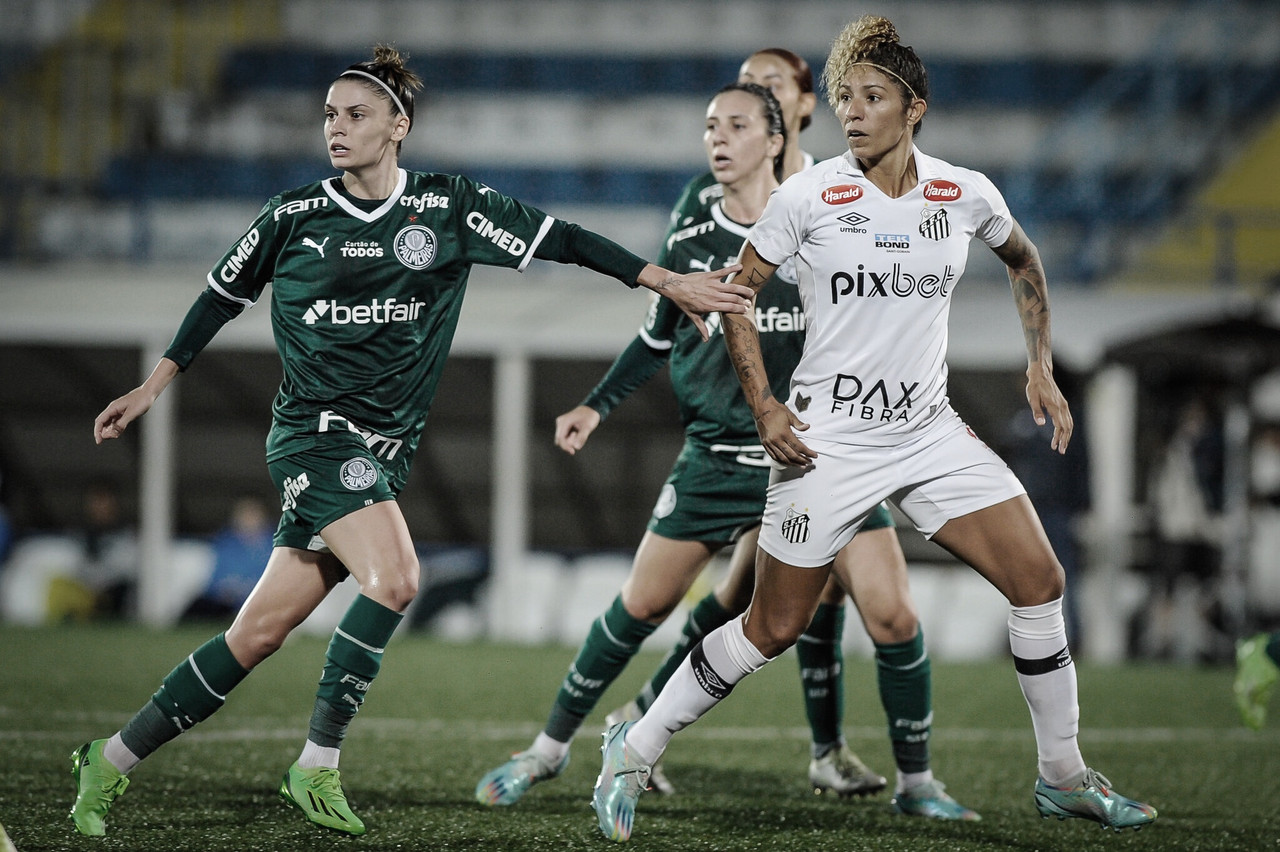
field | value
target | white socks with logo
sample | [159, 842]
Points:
[705, 677]
[1038, 639]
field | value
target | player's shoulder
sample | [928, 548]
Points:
[698, 195]
[800, 190]
[933, 169]
[314, 189]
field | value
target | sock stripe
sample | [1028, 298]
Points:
[355, 641]
[1044, 665]
[191, 659]
[805, 637]
[918, 661]
[708, 678]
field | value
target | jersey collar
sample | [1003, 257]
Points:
[925, 168]
[352, 210]
[723, 221]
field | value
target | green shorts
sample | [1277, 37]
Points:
[324, 483]
[713, 497]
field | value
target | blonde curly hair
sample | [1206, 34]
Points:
[873, 40]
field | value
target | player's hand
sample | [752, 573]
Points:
[1046, 399]
[777, 426]
[574, 427]
[699, 293]
[117, 416]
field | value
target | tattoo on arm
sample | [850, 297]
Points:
[743, 341]
[756, 279]
[1030, 292]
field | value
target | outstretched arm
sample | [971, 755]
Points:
[1031, 296]
[698, 293]
[206, 316]
[774, 421]
[117, 416]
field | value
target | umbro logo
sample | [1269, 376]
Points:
[310, 243]
[854, 221]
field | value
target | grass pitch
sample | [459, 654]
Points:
[442, 714]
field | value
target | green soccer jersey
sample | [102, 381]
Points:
[365, 299]
[703, 377]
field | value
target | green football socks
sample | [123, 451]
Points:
[614, 639]
[821, 663]
[906, 691]
[191, 693]
[352, 662]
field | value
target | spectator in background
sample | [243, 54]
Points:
[240, 549]
[1185, 496]
[109, 568]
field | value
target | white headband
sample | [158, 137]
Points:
[914, 96]
[384, 86]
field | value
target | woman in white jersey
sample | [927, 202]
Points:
[368, 271]
[880, 237]
[872, 567]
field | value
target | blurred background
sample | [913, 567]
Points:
[1138, 143]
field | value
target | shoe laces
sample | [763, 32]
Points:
[1093, 778]
[326, 780]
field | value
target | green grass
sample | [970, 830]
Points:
[442, 714]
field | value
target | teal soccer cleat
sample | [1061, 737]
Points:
[506, 784]
[1093, 799]
[930, 800]
[1255, 678]
[619, 785]
[98, 784]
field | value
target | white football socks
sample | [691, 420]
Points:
[723, 658]
[1047, 674]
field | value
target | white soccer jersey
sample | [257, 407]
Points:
[876, 276]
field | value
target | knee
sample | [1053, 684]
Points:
[647, 607]
[772, 636]
[890, 628]
[394, 587]
[1041, 584]
[251, 642]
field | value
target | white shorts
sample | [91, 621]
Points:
[943, 473]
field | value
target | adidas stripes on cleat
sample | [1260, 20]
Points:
[506, 784]
[318, 794]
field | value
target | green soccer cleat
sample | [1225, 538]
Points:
[506, 784]
[1255, 678]
[98, 784]
[840, 771]
[618, 786]
[318, 794]
[1093, 799]
[930, 800]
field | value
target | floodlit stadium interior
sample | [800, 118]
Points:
[1137, 143]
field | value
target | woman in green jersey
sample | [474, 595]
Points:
[367, 272]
